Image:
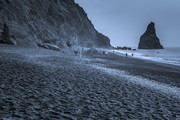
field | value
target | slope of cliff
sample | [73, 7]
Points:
[58, 22]
[149, 39]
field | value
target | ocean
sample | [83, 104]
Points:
[167, 55]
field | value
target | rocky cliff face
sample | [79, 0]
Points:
[149, 40]
[58, 22]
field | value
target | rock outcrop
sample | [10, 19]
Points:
[5, 36]
[123, 48]
[103, 40]
[57, 22]
[149, 40]
[92, 51]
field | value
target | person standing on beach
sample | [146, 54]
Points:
[126, 54]
[81, 52]
[132, 54]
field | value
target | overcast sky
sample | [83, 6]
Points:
[124, 21]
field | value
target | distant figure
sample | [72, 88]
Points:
[132, 54]
[76, 52]
[126, 54]
[105, 53]
[81, 52]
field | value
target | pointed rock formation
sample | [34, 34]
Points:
[5, 36]
[149, 40]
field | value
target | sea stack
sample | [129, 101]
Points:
[149, 40]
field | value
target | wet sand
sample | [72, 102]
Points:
[48, 85]
[161, 72]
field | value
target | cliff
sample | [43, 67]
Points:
[149, 40]
[57, 22]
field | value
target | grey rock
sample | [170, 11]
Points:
[49, 46]
[50, 21]
[123, 48]
[92, 51]
[103, 40]
[6, 38]
[149, 40]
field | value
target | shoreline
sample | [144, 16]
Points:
[113, 60]
[160, 72]
[149, 58]
[47, 84]
[151, 61]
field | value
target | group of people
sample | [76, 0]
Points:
[131, 55]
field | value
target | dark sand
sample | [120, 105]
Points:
[164, 73]
[43, 84]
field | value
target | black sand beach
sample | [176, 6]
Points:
[161, 72]
[48, 85]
